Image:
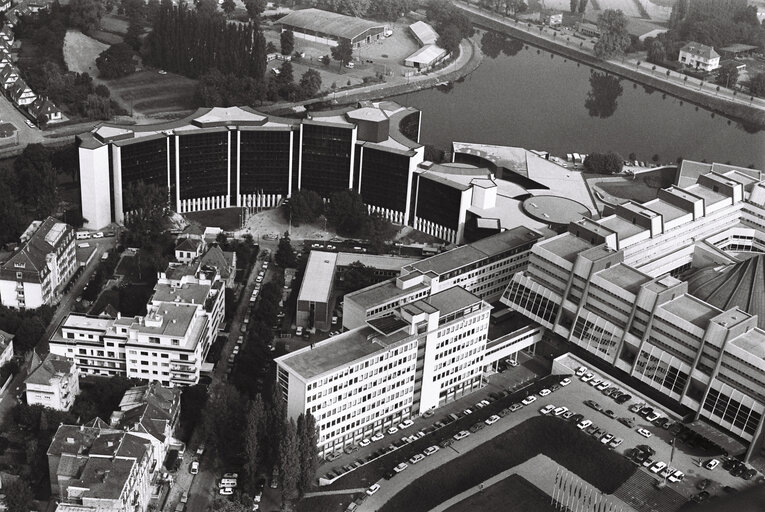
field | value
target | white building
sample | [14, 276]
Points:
[168, 344]
[52, 382]
[699, 56]
[40, 268]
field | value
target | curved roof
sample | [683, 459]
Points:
[554, 209]
[330, 23]
[739, 285]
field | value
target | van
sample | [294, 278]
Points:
[105, 256]
[83, 235]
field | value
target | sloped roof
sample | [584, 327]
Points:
[324, 22]
[5, 339]
[215, 257]
[700, 50]
[188, 244]
[53, 366]
[739, 285]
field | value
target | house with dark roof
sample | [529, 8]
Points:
[43, 108]
[8, 76]
[699, 56]
[6, 347]
[21, 93]
[188, 249]
[38, 270]
[52, 382]
[223, 261]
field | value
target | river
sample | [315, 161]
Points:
[527, 97]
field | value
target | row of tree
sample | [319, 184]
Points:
[450, 22]
[604, 163]
[382, 9]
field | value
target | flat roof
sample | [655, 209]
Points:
[176, 319]
[451, 300]
[381, 293]
[623, 228]
[80, 321]
[188, 293]
[378, 261]
[566, 246]
[625, 277]
[325, 22]
[320, 271]
[668, 211]
[554, 209]
[752, 341]
[689, 308]
[339, 351]
[709, 195]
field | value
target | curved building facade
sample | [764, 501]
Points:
[237, 157]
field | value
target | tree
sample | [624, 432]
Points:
[757, 84]
[133, 35]
[286, 74]
[347, 212]
[449, 39]
[255, 8]
[614, 38]
[656, 52]
[145, 206]
[85, 14]
[287, 42]
[116, 61]
[727, 75]
[152, 10]
[228, 7]
[252, 435]
[343, 52]
[572, 5]
[305, 205]
[608, 163]
[309, 460]
[310, 83]
[133, 9]
[285, 254]
[582, 5]
[289, 461]
[605, 89]
[37, 179]
[18, 495]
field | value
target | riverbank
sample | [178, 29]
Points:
[469, 59]
[705, 96]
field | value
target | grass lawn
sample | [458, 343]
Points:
[228, 219]
[512, 494]
[587, 457]
[643, 188]
[80, 52]
[150, 92]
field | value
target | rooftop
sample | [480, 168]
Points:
[668, 211]
[710, 196]
[51, 368]
[700, 50]
[321, 269]
[691, 309]
[427, 55]
[339, 351]
[451, 300]
[621, 227]
[555, 209]
[381, 293]
[424, 33]
[753, 341]
[187, 293]
[566, 246]
[167, 319]
[378, 261]
[324, 22]
[625, 277]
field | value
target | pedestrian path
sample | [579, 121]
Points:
[330, 493]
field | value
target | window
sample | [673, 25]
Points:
[176, 342]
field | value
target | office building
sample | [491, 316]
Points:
[52, 382]
[37, 272]
[622, 288]
[225, 157]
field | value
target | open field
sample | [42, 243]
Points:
[80, 52]
[525, 496]
[149, 92]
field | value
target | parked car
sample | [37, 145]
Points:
[645, 433]
[581, 371]
[491, 419]
[529, 400]
[405, 424]
[565, 382]
[401, 467]
[378, 436]
[657, 467]
[430, 450]
[544, 392]
[194, 469]
[364, 442]
[547, 409]
[461, 435]
[417, 458]
[373, 489]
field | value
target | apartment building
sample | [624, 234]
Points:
[168, 344]
[423, 355]
[52, 382]
[37, 272]
[618, 288]
[6, 347]
[483, 268]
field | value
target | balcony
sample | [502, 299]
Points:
[183, 368]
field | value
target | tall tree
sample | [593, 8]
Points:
[289, 461]
[37, 179]
[287, 42]
[285, 254]
[582, 6]
[343, 52]
[310, 84]
[605, 89]
[347, 212]
[449, 39]
[727, 75]
[572, 5]
[252, 435]
[614, 38]
[18, 495]
[228, 7]
[656, 52]
[147, 205]
[756, 86]
[255, 8]
[85, 14]
[309, 460]
[116, 61]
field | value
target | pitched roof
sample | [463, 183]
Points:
[148, 409]
[32, 255]
[51, 367]
[188, 244]
[5, 339]
[700, 50]
[324, 22]
[215, 257]
[43, 106]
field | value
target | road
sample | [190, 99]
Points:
[9, 114]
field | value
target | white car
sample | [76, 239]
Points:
[645, 433]
[226, 491]
[547, 409]
[583, 424]
[461, 435]
[676, 477]
[491, 420]
[299, 331]
[373, 489]
[405, 424]
[430, 450]
[194, 468]
[529, 400]
[667, 471]
[616, 442]
[606, 438]
[545, 392]
[565, 382]
[657, 467]
[594, 382]
[417, 458]
[581, 371]
[560, 410]
[364, 442]
[377, 436]
[401, 467]
[711, 464]
[587, 377]
[603, 386]
[392, 431]
[98, 234]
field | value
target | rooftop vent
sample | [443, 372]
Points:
[70, 440]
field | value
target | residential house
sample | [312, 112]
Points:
[188, 249]
[6, 347]
[38, 270]
[223, 261]
[21, 93]
[45, 108]
[699, 56]
[6, 33]
[8, 76]
[52, 382]
[553, 19]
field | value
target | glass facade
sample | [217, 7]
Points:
[203, 159]
[326, 158]
[145, 161]
[265, 162]
[384, 178]
[438, 203]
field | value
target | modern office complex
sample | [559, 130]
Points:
[168, 344]
[618, 288]
[224, 157]
[37, 272]
[414, 342]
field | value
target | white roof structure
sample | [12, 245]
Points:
[319, 272]
[426, 55]
[424, 33]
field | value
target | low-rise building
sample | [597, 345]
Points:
[699, 56]
[52, 382]
[40, 268]
[21, 93]
[43, 108]
[6, 347]
[188, 249]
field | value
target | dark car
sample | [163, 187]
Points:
[749, 474]
[739, 470]
[660, 422]
[445, 443]
[729, 464]
[609, 413]
[676, 428]
[592, 403]
[389, 475]
[702, 496]
[729, 489]
[576, 418]
[646, 411]
[640, 456]
[647, 449]
[623, 398]
[703, 484]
